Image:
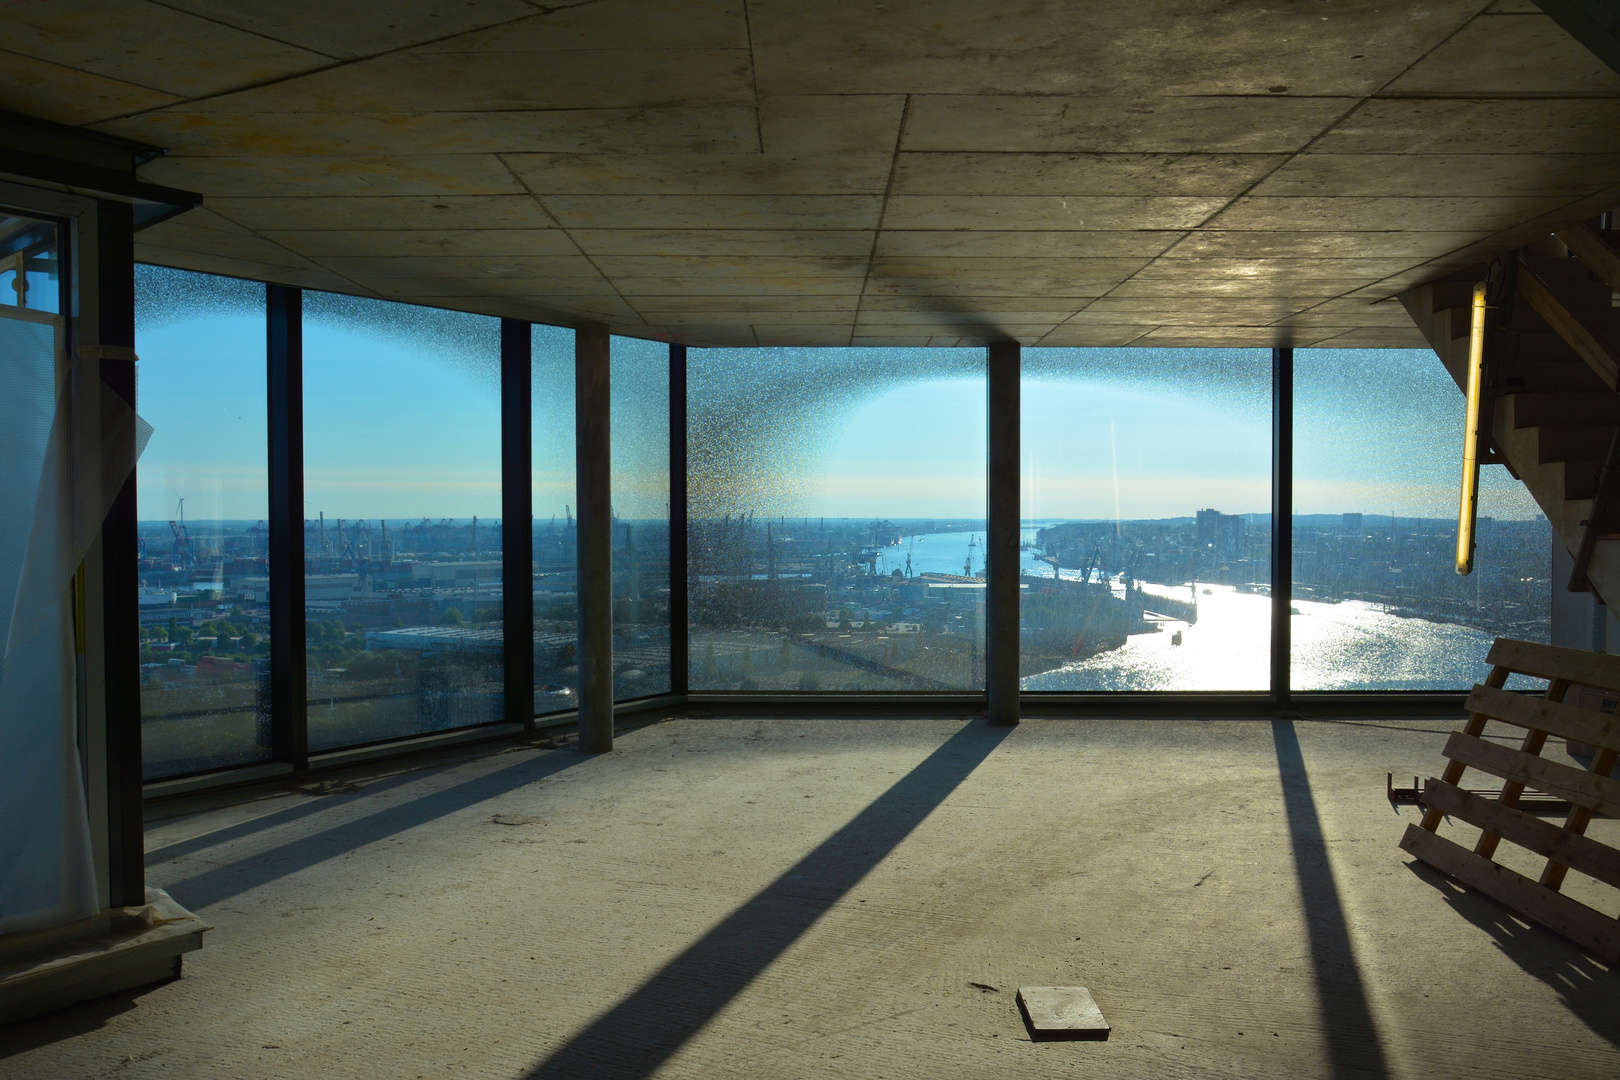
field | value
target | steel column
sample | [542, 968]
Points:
[1001, 535]
[120, 572]
[1282, 519]
[594, 493]
[517, 521]
[289, 713]
[679, 641]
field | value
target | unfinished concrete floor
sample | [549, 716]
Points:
[815, 898]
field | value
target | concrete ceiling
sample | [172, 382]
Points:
[777, 172]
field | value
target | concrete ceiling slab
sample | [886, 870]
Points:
[939, 172]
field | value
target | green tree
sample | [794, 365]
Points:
[452, 617]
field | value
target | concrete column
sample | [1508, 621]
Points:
[1001, 537]
[593, 481]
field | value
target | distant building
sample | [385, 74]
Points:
[1222, 532]
[1352, 523]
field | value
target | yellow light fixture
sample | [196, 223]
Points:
[1468, 501]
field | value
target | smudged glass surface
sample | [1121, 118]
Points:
[402, 530]
[640, 429]
[202, 497]
[1146, 520]
[837, 502]
[556, 606]
[1378, 602]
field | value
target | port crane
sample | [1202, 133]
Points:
[183, 552]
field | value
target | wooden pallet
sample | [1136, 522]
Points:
[1588, 791]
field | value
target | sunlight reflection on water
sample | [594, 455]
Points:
[1349, 645]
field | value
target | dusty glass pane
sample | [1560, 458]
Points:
[836, 510]
[1378, 602]
[1146, 519]
[556, 608]
[640, 425]
[402, 537]
[202, 497]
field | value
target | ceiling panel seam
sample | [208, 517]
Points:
[589, 259]
[883, 211]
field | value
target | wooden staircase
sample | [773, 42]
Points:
[1552, 382]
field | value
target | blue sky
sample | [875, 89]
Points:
[402, 419]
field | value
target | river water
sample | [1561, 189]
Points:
[1348, 645]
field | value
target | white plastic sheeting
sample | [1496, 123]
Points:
[64, 455]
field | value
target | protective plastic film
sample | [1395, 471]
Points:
[63, 468]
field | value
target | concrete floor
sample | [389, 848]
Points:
[798, 898]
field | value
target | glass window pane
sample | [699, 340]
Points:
[556, 608]
[202, 496]
[1378, 602]
[402, 538]
[836, 509]
[640, 428]
[1146, 517]
[30, 264]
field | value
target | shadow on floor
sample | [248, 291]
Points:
[1589, 989]
[217, 883]
[284, 816]
[73, 1020]
[636, 1037]
[1353, 1047]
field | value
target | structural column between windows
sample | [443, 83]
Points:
[679, 640]
[1282, 519]
[289, 699]
[517, 521]
[1001, 534]
[114, 267]
[594, 585]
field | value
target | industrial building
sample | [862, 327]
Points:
[994, 553]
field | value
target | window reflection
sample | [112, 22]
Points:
[202, 497]
[402, 530]
[836, 510]
[1146, 519]
[1378, 602]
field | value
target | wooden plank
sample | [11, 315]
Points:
[1576, 334]
[1590, 248]
[1556, 662]
[1579, 818]
[1582, 788]
[1568, 721]
[1590, 929]
[1476, 726]
[1542, 837]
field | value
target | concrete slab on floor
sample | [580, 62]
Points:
[847, 898]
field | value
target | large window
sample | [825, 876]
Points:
[1146, 518]
[1378, 604]
[402, 537]
[202, 501]
[836, 508]
[640, 427]
[556, 606]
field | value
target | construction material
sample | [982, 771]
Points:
[1066, 1012]
[1502, 818]
[115, 950]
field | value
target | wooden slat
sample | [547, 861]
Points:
[1591, 249]
[1579, 787]
[1476, 726]
[1554, 662]
[1542, 837]
[1568, 721]
[1590, 929]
